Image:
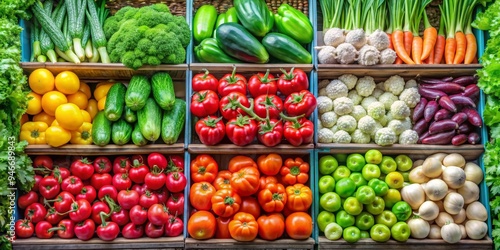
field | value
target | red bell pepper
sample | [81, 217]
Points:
[232, 83]
[268, 101]
[300, 103]
[241, 130]
[299, 132]
[270, 132]
[203, 103]
[262, 84]
[204, 81]
[210, 130]
[294, 81]
[229, 105]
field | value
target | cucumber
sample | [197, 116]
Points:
[163, 90]
[129, 115]
[115, 102]
[286, 49]
[149, 120]
[121, 132]
[237, 42]
[173, 122]
[101, 129]
[138, 92]
[137, 137]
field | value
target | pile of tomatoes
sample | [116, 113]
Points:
[277, 109]
[263, 198]
[134, 196]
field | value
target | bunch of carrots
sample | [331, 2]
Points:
[453, 43]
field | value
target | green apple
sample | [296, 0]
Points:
[394, 180]
[344, 219]
[358, 179]
[365, 195]
[326, 184]
[406, 176]
[341, 172]
[388, 165]
[351, 234]
[341, 158]
[365, 234]
[387, 218]
[365, 221]
[345, 187]
[373, 156]
[353, 206]
[380, 233]
[330, 201]
[400, 231]
[370, 171]
[355, 162]
[325, 218]
[333, 231]
[404, 163]
[376, 207]
[327, 164]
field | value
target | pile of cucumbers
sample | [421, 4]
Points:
[143, 112]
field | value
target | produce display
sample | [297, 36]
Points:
[249, 32]
[358, 32]
[131, 197]
[244, 198]
[274, 110]
[358, 110]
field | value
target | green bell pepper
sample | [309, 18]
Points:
[255, 16]
[229, 16]
[204, 22]
[208, 51]
[294, 23]
[402, 210]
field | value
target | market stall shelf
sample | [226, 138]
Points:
[128, 149]
[256, 244]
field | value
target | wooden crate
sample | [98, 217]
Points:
[256, 244]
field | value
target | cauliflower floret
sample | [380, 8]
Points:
[334, 37]
[387, 99]
[366, 124]
[349, 80]
[395, 84]
[346, 53]
[353, 95]
[347, 123]
[399, 110]
[396, 126]
[327, 55]
[341, 137]
[410, 96]
[383, 120]
[378, 126]
[334, 129]
[358, 112]
[368, 101]
[336, 89]
[365, 86]
[359, 137]
[408, 137]
[376, 110]
[407, 123]
[325, 135]
[322, 92]
[325, 104]
[323, 83]
[328, 119]
[388, 56]
[385, 136]
[356, 37]
[411, 84]
[319, 124]
[377, 93]
[343, 105]
[379, 39]
[368, 55]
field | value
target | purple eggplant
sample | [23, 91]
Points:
[462, 100]
[474, 138]
[440, 138]
[447, 87]
[442, 114]
[473, 117]
[465, 128]
[447, 103]
[418, 111]
[421, 137]
[458, 140]
[430, 80]
[442, 126]
[472, 90]
[431, 94]
[459, 118]
[447, 79]
[465, 80]
[430, 110]
[420, 126]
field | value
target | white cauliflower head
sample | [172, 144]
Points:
[365, 86]
[336, 89]
[323, 83]
[410, 96]
[387, 99]
[358, 112]
[395, 84]
[359, 137]
[319, 124]
[353, 95]
[356, 37]
[376, 110]
[397, 126]
[349, 80]
[325, 104]
[327, 55]
[378, 126]
[368, 55]
[411, 84]
[328, 119]
[347, 123]
[368, 101]
[408, 137]
[343, 105]
[399, 110]
[346, 53]
[407, 123]
[380, 86]
[334, 129]
[379, 39]
[325, 135]
[385, 137]
[367, 124]
[341, 136]
[388, 56]
[377, 93]
[334, 37]
[383, 120]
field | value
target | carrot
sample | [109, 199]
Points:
[410, 7]
[408, 41]
[471, 51]
[416, 52]
[461, 46]
[390, 41]
[448, 10]
[398, 60]
[429, 40]
[450, 49]
[440, 43]
[399, 47]
[417, 44]
[396, 17]
[430, 59]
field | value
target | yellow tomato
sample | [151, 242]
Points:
[41, 81]
[44, 117]
[103, 83]
[57, 136]
[92, 108]
[101, 91]
[101, 103]
[86, 116]
[84, 87]
[51, 100]
[67, 82]
[54, 123]
[69, 116]
[34, 104]
[24, 119]
[392, 196]
[80, 99]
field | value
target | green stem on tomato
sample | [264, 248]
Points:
[249, 110]
[291, 118]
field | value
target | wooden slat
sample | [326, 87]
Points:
[255, 244]
[86, 150]
[470, 152]
[411, 244]
[118, 243]
[247, 67]
[249, 149]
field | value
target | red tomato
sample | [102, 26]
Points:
[138, 172]
[203, 81]
[121, 217]
[24, 228]
[148, 199]
[72, 184]
[102, 164]
[108, 231]
[229, 105]
[155, 180]
[138, 215]
[43, 163]
[82, 168]
[122, 182]
[204, 103]
[27, 199]
[121, 164]
[232, 83]
[158, 214]
[127, 198]
[200, 195]
[271, 227]
[85, 230]
[157, 159]
[154, 231]
[174, 226]
[175, 204]
[35, 212]
[261, 84]
[63, 202]
[132, 231]
[250, 205]
[99, 180]
[176, 182]
[88, 193]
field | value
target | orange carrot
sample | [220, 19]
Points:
[408, 41]
[416, 52]
[471, 51]
[390, 41]
[450, 49]
[461, 47]
[440, 42]
[430, 59]
[398, 60]
[449, 12]
[399, 47]
[430, 37]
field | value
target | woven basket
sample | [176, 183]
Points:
[177, 7]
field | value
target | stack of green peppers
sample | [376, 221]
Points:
[250, 32]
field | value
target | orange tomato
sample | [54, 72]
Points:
[41, 81]
[86, 116]
[44, 117]
[201, 225]
[102, 90]
[92, 108]
[299, 225]
[24, 119]
[34, 104]
[79, 99]
[69, 116]
[243, 227]
[101, 103]
[271, 226]
[51, 100]
[85, 88]
[67, 82]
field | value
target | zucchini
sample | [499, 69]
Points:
[121, 132]
[138, 92]
[163, 90]
[137, 137]
[237, 42]
[114, 102]
[286, 49]
[101, 129]
[173, 122]
[129, 115]
[149, 120]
